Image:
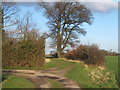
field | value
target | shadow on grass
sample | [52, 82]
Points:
[49, 57]
[117, 79]
[4, 77]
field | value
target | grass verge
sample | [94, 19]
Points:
[12, 81]
[93, 77]
[112, 64]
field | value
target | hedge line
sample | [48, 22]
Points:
[23, 53]
[90, 54]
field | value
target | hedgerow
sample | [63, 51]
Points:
[29, 52]
[90, 54]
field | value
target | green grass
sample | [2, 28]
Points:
[112, 66]
[79, 75]
[55, 84]
[112, 63]
[11, 81]
[82, 77]
[62, 64]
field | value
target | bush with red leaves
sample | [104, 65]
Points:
[90, 54]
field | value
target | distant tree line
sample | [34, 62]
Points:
[110, 53]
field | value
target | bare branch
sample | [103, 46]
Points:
[64, 19]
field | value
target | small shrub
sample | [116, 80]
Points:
[55, 55]
[90, 54]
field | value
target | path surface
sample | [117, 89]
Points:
[39, 77]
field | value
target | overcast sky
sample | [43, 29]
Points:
[103, 31]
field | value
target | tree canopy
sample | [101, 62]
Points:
[65, 20]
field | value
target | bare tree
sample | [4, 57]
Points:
[9, 12]
[0, 16]
[25, 24]
[65, 20]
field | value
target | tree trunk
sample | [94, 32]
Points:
[2, 33]
[59, 50]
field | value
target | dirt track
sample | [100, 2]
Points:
[39, 77]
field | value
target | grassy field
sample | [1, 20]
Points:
[79, 75]
[87, 76]
[11, 81]
[93, 77]
[82, 74]
[112, 63]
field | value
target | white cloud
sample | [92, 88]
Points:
[94, 5]
[100, 6]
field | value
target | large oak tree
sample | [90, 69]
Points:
[65, 20]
